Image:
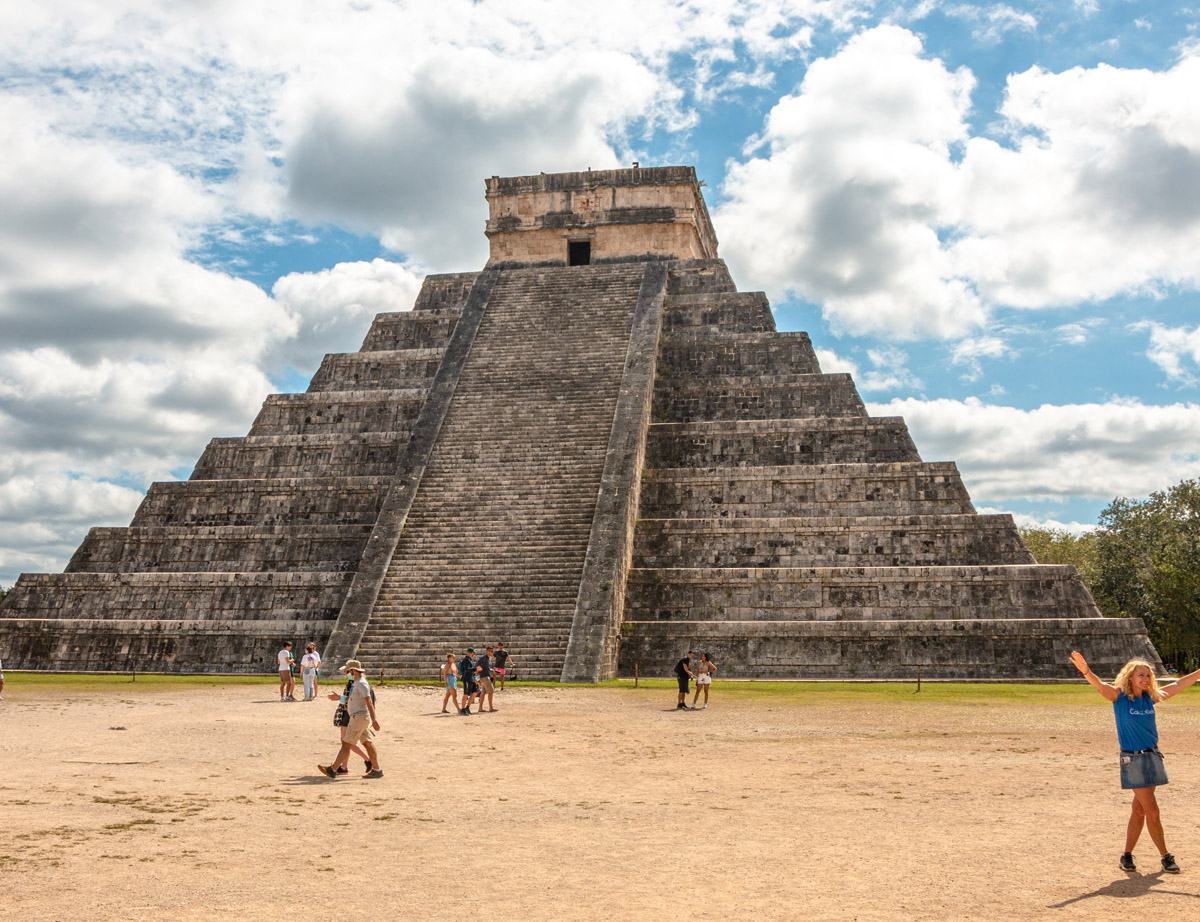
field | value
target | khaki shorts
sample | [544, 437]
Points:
[359, 730]
[485, 685]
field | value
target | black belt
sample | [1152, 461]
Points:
[1138, 752]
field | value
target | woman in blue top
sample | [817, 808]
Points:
[1133, 694]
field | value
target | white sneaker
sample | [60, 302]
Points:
[703, 706]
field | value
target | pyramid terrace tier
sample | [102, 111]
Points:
[447, 290]
[689, 354]
[221, 646]
[857, 593]
[326, 500]
[224, 548]
[1021, 649]
[349, 412]
[405, 330]
[382, 370]
[725, 312]
[699, 276]
[185, 596]
[167, 622]
[838, 541]
[363, 454]
[901, 488]
[757, 443]
[766, 397]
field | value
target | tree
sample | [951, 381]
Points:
[1148, 566]
[1057, 546]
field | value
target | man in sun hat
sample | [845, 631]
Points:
[363, 724]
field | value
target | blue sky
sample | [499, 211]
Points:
[988, 213]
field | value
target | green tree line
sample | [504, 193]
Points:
[1142, 561]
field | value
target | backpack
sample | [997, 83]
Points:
[341, 716]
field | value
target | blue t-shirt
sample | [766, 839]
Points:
[1136, 729]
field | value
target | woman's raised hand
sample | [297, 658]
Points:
[1080, 662]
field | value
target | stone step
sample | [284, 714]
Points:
[300, 597]
[226, 548]
[365, 454]
[857, 593]
[753, 443]
[325, 500]
[726, 312]
[957, 648]
[347, 412]
[776, 397]
[706, 354]
[836, 541]
[383, 369]
[853, 489]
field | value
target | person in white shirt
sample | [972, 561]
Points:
[309, 664]
[287, 681]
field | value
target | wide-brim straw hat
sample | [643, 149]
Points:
[352, 664]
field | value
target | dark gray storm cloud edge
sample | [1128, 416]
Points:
[87, 323]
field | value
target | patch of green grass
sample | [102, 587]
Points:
[89, 680]
[867, 692]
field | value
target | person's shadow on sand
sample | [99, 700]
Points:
[1132, 886]
[316, 779]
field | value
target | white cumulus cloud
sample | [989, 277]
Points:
[1097, 450]
[869, 196]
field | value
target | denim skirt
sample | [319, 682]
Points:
[1142, 769]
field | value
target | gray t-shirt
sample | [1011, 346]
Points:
[359, 695]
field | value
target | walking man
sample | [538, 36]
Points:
[484, 668]
[503, 659]
[363, 725]
[287, 681]
[683, 672]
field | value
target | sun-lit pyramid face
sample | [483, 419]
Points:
[569, 219]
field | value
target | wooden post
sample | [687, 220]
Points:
[635, 675]
[918, 679]
[381, 675]
[133, 672]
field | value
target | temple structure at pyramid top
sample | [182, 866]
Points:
[575, 219]
[594, 449]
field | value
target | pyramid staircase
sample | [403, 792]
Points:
[493, 546]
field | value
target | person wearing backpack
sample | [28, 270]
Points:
[341, 719]
[466, 672]
[363, 724]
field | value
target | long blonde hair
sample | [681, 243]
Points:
[1124, 680]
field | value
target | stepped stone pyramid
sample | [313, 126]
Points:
[597, 450]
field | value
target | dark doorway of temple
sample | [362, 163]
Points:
[579, 252]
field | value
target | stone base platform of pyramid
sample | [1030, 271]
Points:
[595, 450]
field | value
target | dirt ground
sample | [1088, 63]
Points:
[180, 803]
